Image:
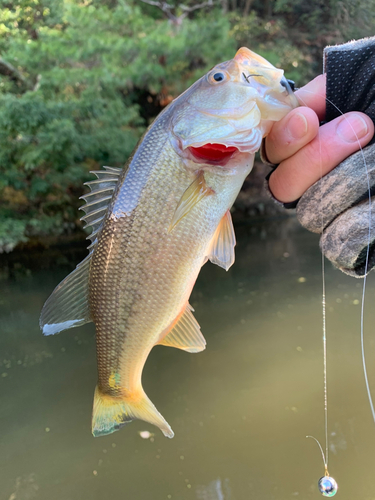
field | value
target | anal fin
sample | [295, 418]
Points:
[221, 249]
[185, 334]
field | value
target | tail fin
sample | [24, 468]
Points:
[111, 413]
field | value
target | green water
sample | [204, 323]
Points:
[240, 410]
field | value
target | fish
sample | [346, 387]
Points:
[156, 222]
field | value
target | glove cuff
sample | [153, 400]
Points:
[349, 253]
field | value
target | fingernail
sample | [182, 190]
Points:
[352, 128]
[297, 126]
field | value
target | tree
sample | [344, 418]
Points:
[79, 83]
[81, 79]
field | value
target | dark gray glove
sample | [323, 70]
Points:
[339, 202]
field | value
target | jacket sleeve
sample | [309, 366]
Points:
[341, 205]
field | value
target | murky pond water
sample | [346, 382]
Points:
[240, 410]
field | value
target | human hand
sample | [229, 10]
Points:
[303, 151]
[307, 156]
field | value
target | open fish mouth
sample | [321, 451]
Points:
[216, 154]
[216, 139]
[232, 109]
[219, 150]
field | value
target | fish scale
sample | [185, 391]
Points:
[147, 256]
[167, 215]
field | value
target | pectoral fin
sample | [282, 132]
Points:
[193, 195]
[221, 250]
[186, 334]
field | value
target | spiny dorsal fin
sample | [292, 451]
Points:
[193, 195]
[221, 249]
[68, 306]
[98, 199]
[186, 333]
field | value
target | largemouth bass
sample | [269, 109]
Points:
[157, 221]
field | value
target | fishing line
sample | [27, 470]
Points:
[327, 485]
[366, 269]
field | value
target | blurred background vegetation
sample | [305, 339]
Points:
[80, 81]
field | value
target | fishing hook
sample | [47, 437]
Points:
[248, 76]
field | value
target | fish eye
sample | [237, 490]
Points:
[218, 77]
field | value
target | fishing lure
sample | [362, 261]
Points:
[327, 486]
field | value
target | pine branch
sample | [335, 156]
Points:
[167, 9]
[9, 70]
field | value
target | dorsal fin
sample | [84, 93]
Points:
[99, 198]
[68, 305]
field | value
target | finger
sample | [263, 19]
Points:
[299, 126]
[336, 140]
[291, 133]
[313, 95]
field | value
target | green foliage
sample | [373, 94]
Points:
[80, 80]
[82, 75]
[270, 39]
[12, 232]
